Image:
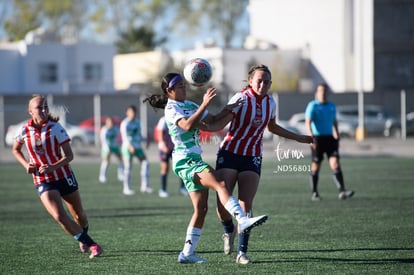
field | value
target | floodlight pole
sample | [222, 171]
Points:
[360, 133]
[403, 115]
[97, 118]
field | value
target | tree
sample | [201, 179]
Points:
[23, 21]
[119, 19]
[139, 39]
[224, 17]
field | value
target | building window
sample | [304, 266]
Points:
[48, 72]
[92, 72]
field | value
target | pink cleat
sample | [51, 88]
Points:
[96, 250]
[83, 247]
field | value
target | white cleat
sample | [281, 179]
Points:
[248, 223]
[128, 192]
[190, 259]
[345, 194]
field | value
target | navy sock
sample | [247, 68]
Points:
[164, 182]
[243, 242]
[85, 239]
[339, 179]
[228, 226]
[314, 181]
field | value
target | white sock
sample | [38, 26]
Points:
[191, 240]
[127, 176]
[144, 174]
[234, 208]
[103, 169]
[120, 170]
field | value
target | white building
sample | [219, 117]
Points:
[230, 66]
[336, 36]
[27, 68]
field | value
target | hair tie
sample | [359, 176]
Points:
[174, 81]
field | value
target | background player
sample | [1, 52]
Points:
[131, 147]
[321, 124]
[45, 140]
[109, 145]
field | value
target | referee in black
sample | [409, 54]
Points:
[321, 124]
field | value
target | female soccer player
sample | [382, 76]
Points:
[109, 134]
[45, 139]
[131, 147]
[184, 119]
[239, 158]
[165, 148]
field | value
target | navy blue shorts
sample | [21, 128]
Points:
[165, 157]
[64, 186]
[240, 163]
[325, 145]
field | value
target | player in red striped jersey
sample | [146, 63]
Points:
[240, 155]
[45, 140]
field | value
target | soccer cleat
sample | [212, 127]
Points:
[315, 196]
[147, 190]
[120, 177]
[228, 239]
[163, 194]
[190, 259]
[248, 223]
[102, 179]
[128, 192]
[345, 194]
[83, 247]
[242, 259]
[96, 250]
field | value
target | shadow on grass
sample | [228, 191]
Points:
[339, 259]
[137, 212]
[102, 213]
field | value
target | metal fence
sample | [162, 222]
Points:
[13, 108]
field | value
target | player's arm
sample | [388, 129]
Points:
[335, 130]
[66, 158]
[18, 154]
[212, 123]
[276, 129]
[308, 122]
[192, 122]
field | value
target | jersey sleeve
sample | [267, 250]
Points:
[20, 134]
[235, 98]
[173, 113]
[273, 106]
[61, 134]
[309, 110]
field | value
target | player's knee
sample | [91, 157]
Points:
[201, 210]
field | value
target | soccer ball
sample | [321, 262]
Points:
[198, 72]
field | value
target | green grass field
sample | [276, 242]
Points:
[372, 233]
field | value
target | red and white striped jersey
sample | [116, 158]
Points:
[43, 146]
[245, 134]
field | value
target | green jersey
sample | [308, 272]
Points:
[131, 133]
[185, 142]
